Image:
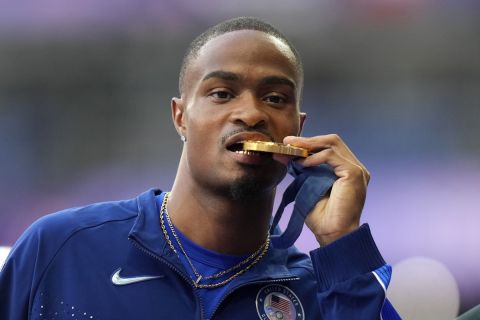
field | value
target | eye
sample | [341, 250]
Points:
[221, 95]
[275, 99]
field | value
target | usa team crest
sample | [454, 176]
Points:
[277, 302]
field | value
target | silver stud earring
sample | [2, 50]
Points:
[182, 137]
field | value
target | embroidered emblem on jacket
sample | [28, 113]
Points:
[277, 302]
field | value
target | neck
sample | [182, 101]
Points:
[218, 222]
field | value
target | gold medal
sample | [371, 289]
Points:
[273, 147]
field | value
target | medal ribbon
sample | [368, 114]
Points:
[311, 184]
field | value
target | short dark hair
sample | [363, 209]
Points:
[235, 24]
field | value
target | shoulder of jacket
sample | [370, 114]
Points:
[299, 261]
[74, 219]
[38, 245]
[52, 230]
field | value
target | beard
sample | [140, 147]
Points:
[251, 186]
[245, 189]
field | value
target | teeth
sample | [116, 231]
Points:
[247, 152]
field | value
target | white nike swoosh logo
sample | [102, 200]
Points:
[120, 281]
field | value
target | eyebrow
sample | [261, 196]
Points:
[224, 75]
[275, 80]
[231, 76]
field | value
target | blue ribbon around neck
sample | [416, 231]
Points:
[311, 184]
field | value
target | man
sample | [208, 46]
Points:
[202, 251]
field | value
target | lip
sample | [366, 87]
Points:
[242, 136]
[253, 158]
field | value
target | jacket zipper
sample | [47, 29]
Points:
[171, 266]
[188, 280]
[247, 284]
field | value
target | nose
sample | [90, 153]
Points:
[249, 112]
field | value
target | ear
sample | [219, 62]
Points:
[178, 115]
[303, 117]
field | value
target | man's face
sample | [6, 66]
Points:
[243, 85]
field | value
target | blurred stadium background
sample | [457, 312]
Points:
[85, 89]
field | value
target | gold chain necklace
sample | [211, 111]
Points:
[256, 256]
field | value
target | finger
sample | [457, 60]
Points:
[323, 142]
[342, 166]
[319, 143]
[311, 143]
[326, 156]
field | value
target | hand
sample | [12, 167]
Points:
[339, 212]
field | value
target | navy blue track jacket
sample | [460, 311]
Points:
[111, 261]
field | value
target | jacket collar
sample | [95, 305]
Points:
[148, 233]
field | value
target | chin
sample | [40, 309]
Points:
[253, 185]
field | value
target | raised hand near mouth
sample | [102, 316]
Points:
[339, 212]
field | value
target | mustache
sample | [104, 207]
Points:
[247, 129]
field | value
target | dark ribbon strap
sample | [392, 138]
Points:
[310, 185]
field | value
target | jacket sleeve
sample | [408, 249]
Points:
[352, 279]
[16, 278]
[25, 265]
